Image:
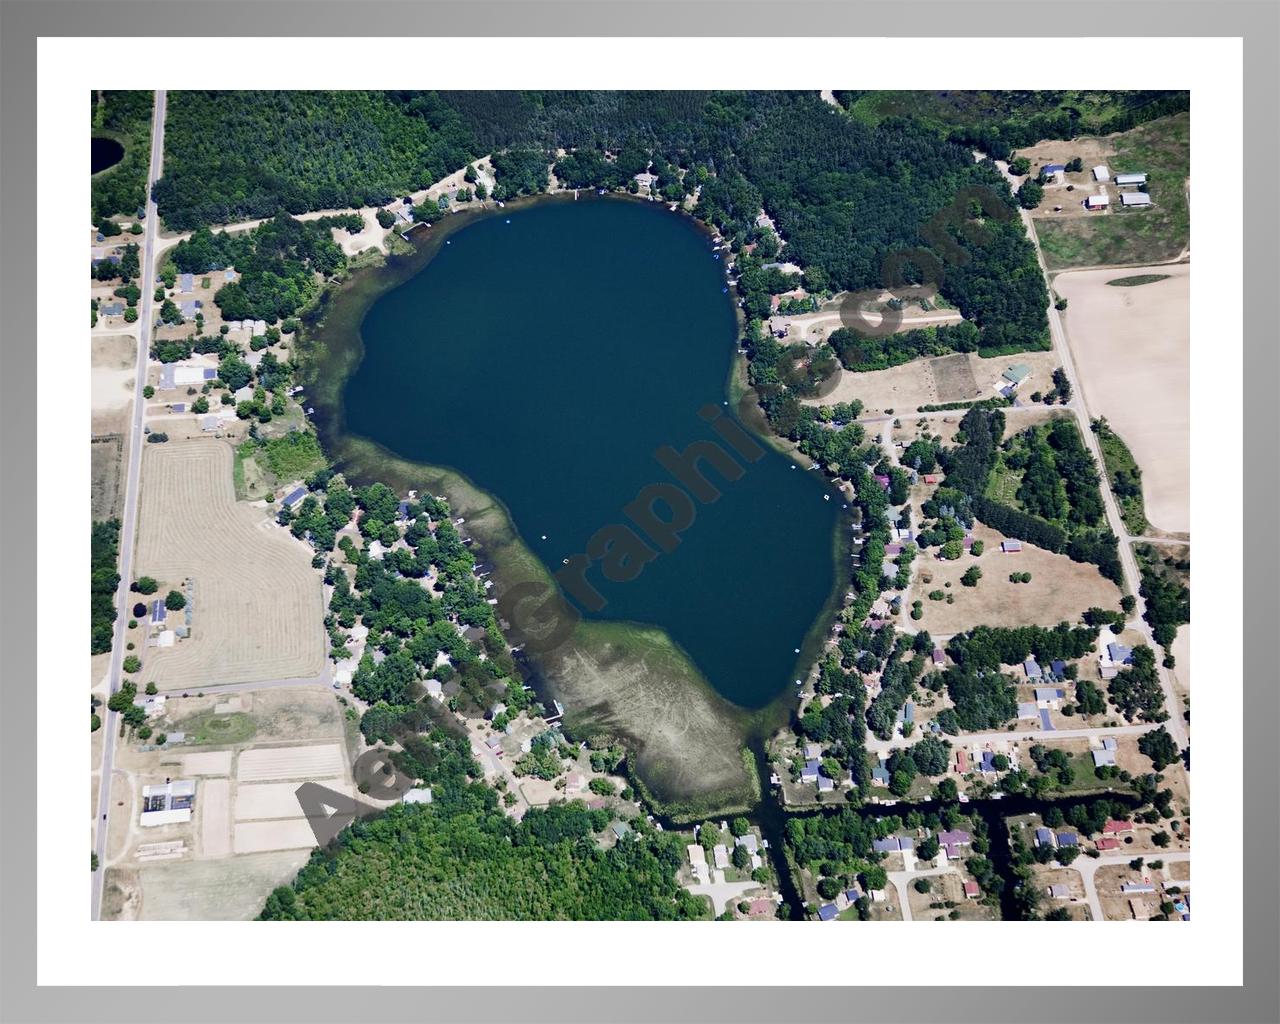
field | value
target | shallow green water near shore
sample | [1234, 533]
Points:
[547, 354]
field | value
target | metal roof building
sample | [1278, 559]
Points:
[1131, 179]
[1135, 199]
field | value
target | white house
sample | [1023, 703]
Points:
[1100, 173]
[1099, 202]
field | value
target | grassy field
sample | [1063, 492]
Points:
[1118, 459]
[1004, 483]
[1154, 234]
[209, 728]
[256, 604]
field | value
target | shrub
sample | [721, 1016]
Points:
[174, 601]
[132, 663]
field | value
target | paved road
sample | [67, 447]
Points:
[902, 880]
[1176, 725]
[881, 748]
[129, 523]
[1087, 866]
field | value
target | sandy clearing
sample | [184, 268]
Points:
[1181, 652]
[1060, 589]
[256, 604]
[112, 361]
[278, 799]
[935, 381]
[207, 762]
[215, 818]
[231, 889]
[1132, 349]
[812, 328]
[260, 836]
[266, 764]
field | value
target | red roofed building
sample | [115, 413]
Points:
[1107, 844]
[1117, 828]
[962, 762]
[972, 890]
[931, 478]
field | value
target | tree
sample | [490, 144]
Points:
[200, 405]
[928, 848]
[151, 689]
[385, 218]
[1160, 747]
[1029, 194]
[602, 787]
[741, 858]
[131, 663]
[1000, 762]
[971, 576]
[922, 884]
[739, 827]
[145, 585]
[130, 315]
[1020, 165]
[874, 877]
[174, 601]
[828, 888]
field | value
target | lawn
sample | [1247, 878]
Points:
[209, 728]
[1154, 234]
[1004, 483]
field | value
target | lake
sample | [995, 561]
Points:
[104, 153]
[547, 354]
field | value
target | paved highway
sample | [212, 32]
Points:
[129, 523]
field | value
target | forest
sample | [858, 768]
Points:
[999, 122]
[1064, 484]
[276, 262]
[859, 205]
[232, 156]
[103, 580]
[461, 858]
[126, 117]
[1165, 591]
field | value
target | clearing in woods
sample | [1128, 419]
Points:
[1060, 589]
[256, 604]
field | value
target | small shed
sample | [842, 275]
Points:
[1101, 173]
[1009, 546]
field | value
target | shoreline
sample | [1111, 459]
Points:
[329, 351]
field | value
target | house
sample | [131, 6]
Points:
[810, 771]
[1016, 374]
[189, 309]
[889, 844]
[987, 765]
[882, 480]
[435, 689]
[962, 762]
[893, 549]
[827, 912]
[417, 796]
[1109, 743]
[908, 713]
[1059, 892]
[698, 863]
[1104, 758]
[952, 840]
[230, 275]
[1130, 179]
[620, 829]
[749, 842]
[186, 284]
[112, 309]
[1049, 169]
[209, 423]
[1100, 173]
[1069, 839]
[1010, 546]
[1044, 837]
[880, 775]
[721, 854]
[152, 705]
[939, 659]
[1100, 202]
[1032, 668]
[812, 751]
[1106, 844]
[178, 407]
[1117, 828]
[1028, 710]
[1129, 888]
[1135, 199]
[1058, 669]
[853, 895]
[294, 497]
[972, 890]
[169, 804]
[244, 394]
[1049, 697]
[158, 612]
[1113, 658]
